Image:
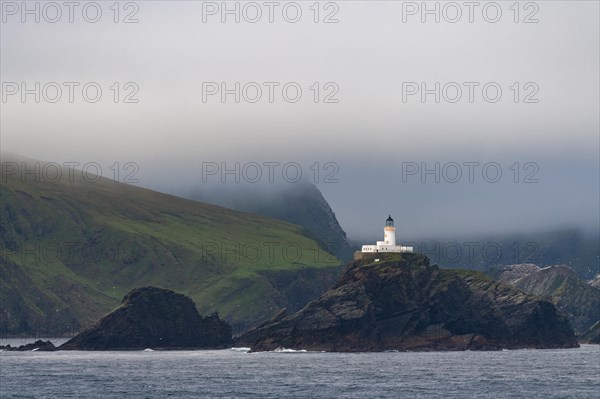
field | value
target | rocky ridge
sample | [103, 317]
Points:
[575, 298]
[401, 302]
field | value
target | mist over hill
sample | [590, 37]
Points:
[300, 203]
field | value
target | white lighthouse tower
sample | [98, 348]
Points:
[389, 232]
[389, 240]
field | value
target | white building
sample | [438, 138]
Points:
[389, 240]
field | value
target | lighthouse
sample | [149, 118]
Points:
[389, 240]
[389, 232]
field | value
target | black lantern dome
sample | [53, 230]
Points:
[389, 221]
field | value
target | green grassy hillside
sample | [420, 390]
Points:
[72, 249]
[299, 203]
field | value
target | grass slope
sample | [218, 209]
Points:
[71, 249]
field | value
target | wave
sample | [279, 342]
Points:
[278, 350]
[285, 350]
[240, 349]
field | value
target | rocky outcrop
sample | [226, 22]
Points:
[512, 273]
[575, 298]
[39, 345]
[153, 318]
[403, 303]
[592, 335]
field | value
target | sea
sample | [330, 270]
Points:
[235, 373]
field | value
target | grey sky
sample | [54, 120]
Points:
[369, 133]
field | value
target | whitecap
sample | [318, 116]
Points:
[240, 349]
[286, 350]
[148, 350]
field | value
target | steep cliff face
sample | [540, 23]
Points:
[154, 318]
[576, 299]
[402, 303]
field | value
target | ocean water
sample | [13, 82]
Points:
[233, 373]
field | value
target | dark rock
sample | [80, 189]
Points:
[575, 298]
[293, 289]
[154, 318]
[280, 315]
[403, 303]
[39, 345]
[592, 335]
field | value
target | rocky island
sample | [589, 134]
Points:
[398, 301]
[154, 318]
